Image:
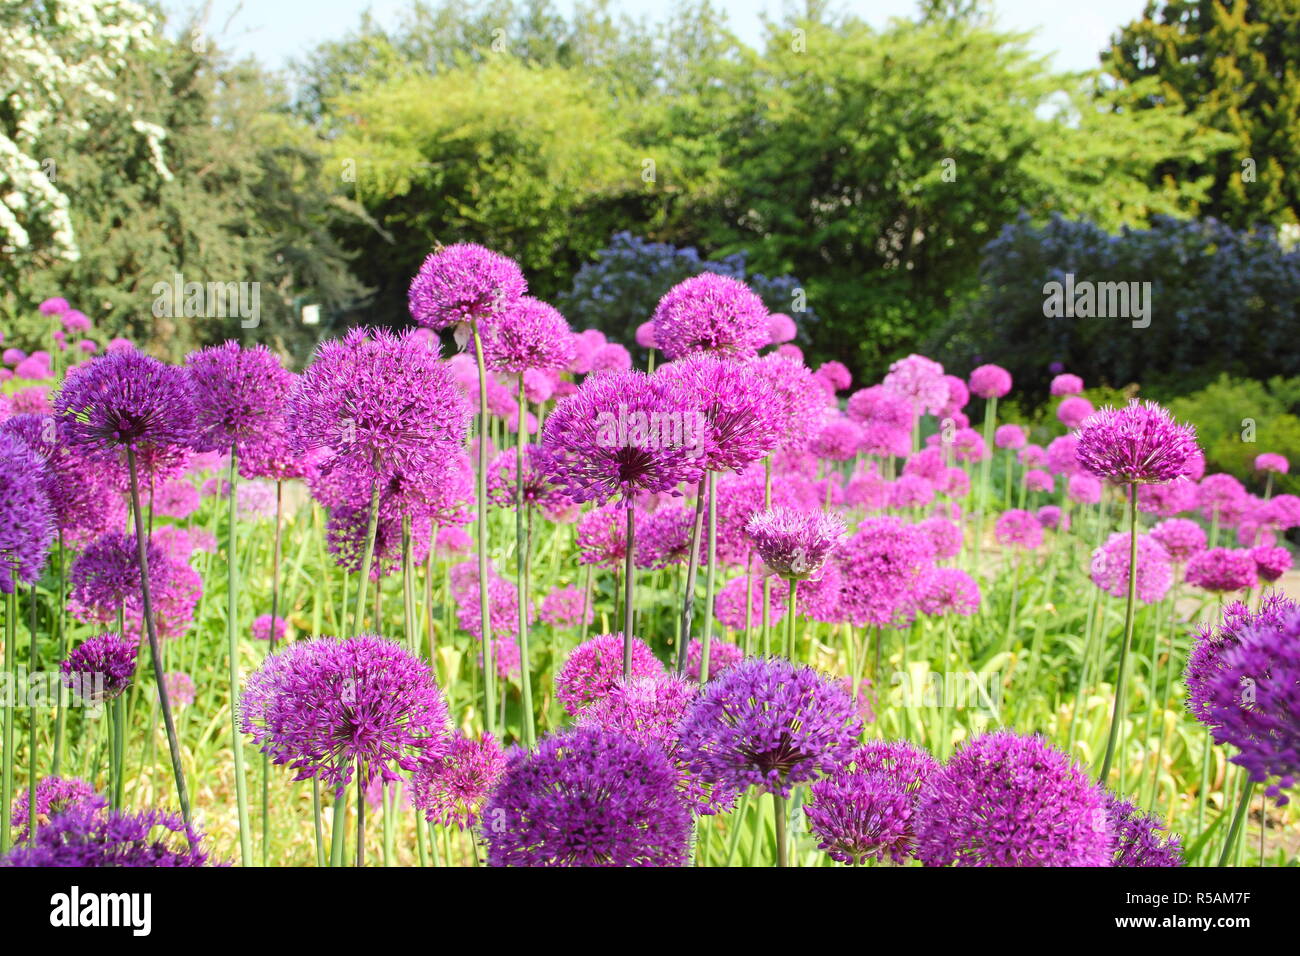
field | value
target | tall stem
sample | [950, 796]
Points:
[232, 647]
[778, 813]
[692, 567]
[33, 666]
[629, 578]
[59, 714]
[146, 598]
[10, 713]
[522, 545]
[1237, 819]
[1117, 715]
[363, 578]
[710, 578]
[789, 619]
[481, 525]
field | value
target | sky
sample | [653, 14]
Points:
[278, 31]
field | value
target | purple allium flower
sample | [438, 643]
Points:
[127, 399]
[838, 439]
[1010, 436]
[27, 519]
[381, 406]
[506, 658]
[1140, 443]
[503, 608]
[1270, 461]
[180, 688]
[1007, 800]
[833, 376]
[13, 356]
[927, 463]
[911, 491]
[1181, 537]
[1018, 529]
[711, 313]
[333, 708]
[1223, 497]
[1168, 499]
[101, 667]
[770, 723]
[33, 369]
[1062, 455]
[780, 328]
[176, 498]
[921, 381]
[645, 335]
[880, 405]
[881, 566]
[1083, 489]
[54, 795]
[1243, 682]
[967, 444]
[663, 537]
[452, 789]
[1038, 480]
[1053, 518]
[1110, 567]
[1074, 411]
[722, 654]
[239, 394]
[1271, 562]
[54, 306]
[1033, 456]
[528, 335]
[602, 536]
[1066, 384]
[990, 381]
[262, 628]
[795, 544]
[945, 536]
[956, 483]
[464, 283]
[593, 667]
[75, 321]
[539, 485]
[1138, 840]
[1222, 569]
[84, 836]
[947, 591]
[647, 710]
[563, 608]
[1281, 512]
[611, 357]
[585, 797]
[737, 409]
[623, 433]
[866, 807]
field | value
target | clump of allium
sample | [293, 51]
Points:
[239, 395]
[723, 655]
[1007, 800]
[795, 544]
[624, 433]
[1074, 411]
[585, 797]
[865, 808]
[1269, 461]
[730, 602]
[1138, 839]
[945, 536]
[1063, 455]
[879, 405]
[1222, 570]
[1182, 538]
[331, 709]
[450, 790]
[180, 688]
[592, 669]
[947, 591]
[736, 407]
[83, 836]
[838, 438]
[921, 381]
[769, 723]
[101, 668]
[1010, 436]
[264, 627]
[881, 566]
[1053, 518]
[54, 795]
[990, 381]
[1140, 443]
[378, 406]
[1110, 567]
[1066, 384]
[1018, 529]
[566, 607]
[1271, 562]
[711, 313]
[530, 334]
[464, 283]
[26, 516]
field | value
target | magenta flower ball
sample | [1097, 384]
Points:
[990, 381]
[464, 283]
[592, 669]
[1140, 443]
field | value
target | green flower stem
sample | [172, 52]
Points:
[33, 665]
[61, 635]
[232, 648]
[789, 619]
[10, 712]
[363, 577]
[629, 579]
[1117, 715]
[692, 568]
[782, 840]
[522, 545]
[1238, 818]
[710, 578]
[338, 825]
[116, 753]
[481, 525]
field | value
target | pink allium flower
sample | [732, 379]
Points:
[780, 328]
[1110, 567]
[722, 655]
[1066, 384]
[464, 283]
[958, 397]
[1053, 518]
[1222, 569]
[33, 369]
[1009, 436]
[176, 498]
[563, 608]
[880, 405]
[1182, 538]
[867, 490]
[593, 667]
[1271, 562]
[452, 789]
[1033, 456]
[1272, 462]
[796, 399]
[956, 483]
[54, 306]
[75, 321]
[737, 408]
[1039, 480]
[729, 604]
[947, 591]
[611, 357]
[834, 376]
[645, 335]
[262, 628]
[881, 566]
[990, 381]
[1018, 529]
[921, 381]
[1062, 455]
[1139, 443]
[13, 356]
[180, 688]
[711, 313]
[239, 395]
[910, 491]
[1168, 499]
[1281, 512]
[795, 544]
[884, 441]
[945, 536]
[927, 463]
[1083, 489]
[1223, 497]
[528, 335]
[1074, 411]
[838, 439]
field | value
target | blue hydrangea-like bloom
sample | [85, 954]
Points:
[587, 798]
[101, 668]
[769, 723]
[239, 395]
[1008, 800]
[529, 335]
[1138, 837]
[26, 516]
[1139, 443]
[332, 708]
[86, 836]
[710, 313]
[464, 283]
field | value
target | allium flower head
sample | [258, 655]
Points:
[585, 797]
[944, 535]
[1074, 411]
[711, 313]
[54, 795]
[647, 710]
[1270, 461]
[723, 655]
[1053, 518]
[332, 709]
[795, 544]
[947, 591]
[838, 439]
[1110, 567]
[663, 537]
[529, 334]
[239, 394]
[101, 668]
[767, 722]
[83, 836]
[593, 668]
[1066, 384]
[921, 381]
[1010, 436]
[1063, 455]
[27, 518]
[1181, 537]
[263, 628]
[781, 328]
[1139, 443]
[1008, 800]
[645, 335]
[180, 688]
[1271, 562]
[737, 408]
[464, 283]
[1018, 529]
[990, 381]
[564, 608]
[1037, 480]
[1223, 498]
[1083, 489]
[1138, 839]
[794, 395]
[881, 566]
[881, 405]
[1222, 570]
[452, 789]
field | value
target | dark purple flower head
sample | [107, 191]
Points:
[1271, 562]
[1138, 839]
[346, 533]
[623, 433]
[54, 795]
[452, 789]
[881, 566]
[990, 381]
[380, 406]
[464, 283]
[795, 544]
[239, 395]
[587, 798]
[101, 668]
[739, 408]
[127, 399]
[529, 335]
[87, 836]
[105, 579]
[1222, 569]
[1008, 800]
[663, 537]
[711, 313]
[1139, 443]
[26, 516]
[594, 667]
[334, 708]
[767, 722]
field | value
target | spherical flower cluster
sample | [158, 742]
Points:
[88, 836]
[1066, 384]
[737, 408]
[1053, 518]
[1222, 498]
[947, 591]
[54, 795]
[945, 536]
[1018, 529]
[767, 722]
[239, 395]
[990, 381]
[1063, 455]
[711, 313]
[1110, 567]
[1009, 436]
[530, 334]
[101, 668]
[566, 607]
[1074, 411]
[27, 519]
[1222, 570]
[450, 790]
[881, 406]
[1083, 489]
[781, 328]
[1139, 443]
[592, 669]
[729, 606]
[910, 491]
[880, 567]
[1039, 480]
[180, 688]
[464, 283]
[663, 537]
[263, 629]
[1033, 456]
[333, 709]
[1269, 461]
[795, 544]
[1008, 800]
[1167, 500]
[1182, 538]
[1138, 837]
[1271, 562]
[921, 381]
[794, 395]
